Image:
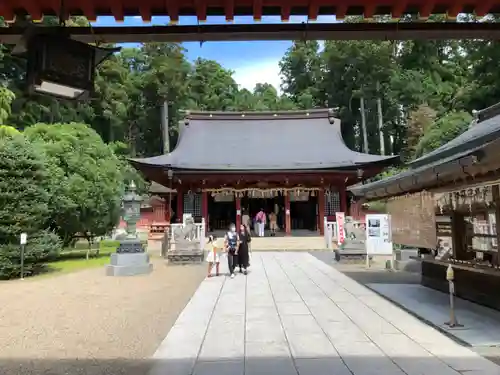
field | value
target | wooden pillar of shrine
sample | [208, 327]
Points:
[237, 200]
[495, 190]
[204, 208]
[288, 218]
[168, 209]
[343, 200]
[180, 204]
[321, 211]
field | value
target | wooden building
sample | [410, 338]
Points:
[293, 163]
[448, 201]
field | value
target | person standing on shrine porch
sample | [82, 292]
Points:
[260, 220]
[245, 220]
[273, 223]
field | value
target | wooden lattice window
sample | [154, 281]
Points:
[332, 202]
[192, 204]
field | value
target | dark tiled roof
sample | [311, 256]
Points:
[301, 140]
[408, 180]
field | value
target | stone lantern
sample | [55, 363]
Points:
[130, 257]
[131, 215]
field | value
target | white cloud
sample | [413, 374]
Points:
[248, 76]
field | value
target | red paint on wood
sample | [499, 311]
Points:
[312, 14]
[200, 8]
[229, 10]
[484, 8]
[204, 208]
[343, 200]
[180, 205]
[321, 211]
[369, 10]
[237, 201]
[426, 9]
[285, 12]
[341, 11]
[288, 216]
[398, 9]
[257, 10]
[145, 12]
[173, 11]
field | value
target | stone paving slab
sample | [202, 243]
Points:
[481, 324]
[295, 315]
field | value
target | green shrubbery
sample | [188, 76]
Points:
[58, 182]
[24, 206]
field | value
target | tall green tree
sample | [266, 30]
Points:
[88, 181]
[24, 206]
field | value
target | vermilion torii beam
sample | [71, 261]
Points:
[282, 31]
[230, 8]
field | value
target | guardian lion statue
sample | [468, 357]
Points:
[187, 232]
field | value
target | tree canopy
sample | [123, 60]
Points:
[443, 76]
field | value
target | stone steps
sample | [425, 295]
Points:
[288, 243]
[302, 243]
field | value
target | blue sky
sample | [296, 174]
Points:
[252, 62]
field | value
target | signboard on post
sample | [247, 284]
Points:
[378, 235]
[340, 219]
[24, 239]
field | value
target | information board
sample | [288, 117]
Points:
[378, 234]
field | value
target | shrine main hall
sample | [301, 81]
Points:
[226, 164]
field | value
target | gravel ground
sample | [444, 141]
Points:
[87, 323]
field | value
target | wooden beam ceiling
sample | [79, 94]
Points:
[282, 31]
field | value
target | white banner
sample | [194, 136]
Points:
[378, 234]
[340, 219]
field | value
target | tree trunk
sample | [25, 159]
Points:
[165, 128]
[380, 121]
[363, 125]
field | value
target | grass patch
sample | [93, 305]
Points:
[75, 260]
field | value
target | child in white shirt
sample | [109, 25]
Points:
[213, 256]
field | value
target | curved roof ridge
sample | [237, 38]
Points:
[262, 115]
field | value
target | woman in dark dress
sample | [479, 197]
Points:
[243, 255]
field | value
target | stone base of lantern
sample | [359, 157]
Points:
[129, 264]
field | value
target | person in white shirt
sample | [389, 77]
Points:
[260, 219]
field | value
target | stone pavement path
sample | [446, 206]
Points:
[295, 315]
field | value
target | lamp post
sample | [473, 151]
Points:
[450, 276]
[130, 257]
[170, 176]
[59, 66]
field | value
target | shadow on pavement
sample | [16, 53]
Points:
[373, 362]
[377, 274]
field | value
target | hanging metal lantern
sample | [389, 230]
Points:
[61, 67]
